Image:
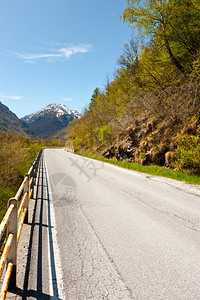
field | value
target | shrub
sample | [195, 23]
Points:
[188, 154]
[106, 133]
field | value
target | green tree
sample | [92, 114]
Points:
[160, 20]
[95, 94]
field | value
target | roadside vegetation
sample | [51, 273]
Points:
[17, 153]
[149, 112]
[151, 170]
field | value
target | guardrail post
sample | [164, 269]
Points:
[26, 190]
[34, 174]
[12, 254]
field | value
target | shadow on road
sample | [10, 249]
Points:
[38, 273]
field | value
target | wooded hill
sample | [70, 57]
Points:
[150, 112]
[17, 153]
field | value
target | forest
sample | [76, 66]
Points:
[149, 113]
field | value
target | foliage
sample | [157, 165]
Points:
[196, 68]
[17, 153]
[157, 77]
[172, 24]
[188, 154]
[152, 170]
[95, 94]
[5, 194]
[106, 133]
[14, 152]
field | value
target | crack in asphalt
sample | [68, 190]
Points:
[106, 252]
[193, 225]
[93, 272]
[185, 222]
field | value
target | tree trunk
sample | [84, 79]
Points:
[173, 59]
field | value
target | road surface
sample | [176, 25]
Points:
[118, 234]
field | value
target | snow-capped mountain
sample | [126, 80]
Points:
[50, 119]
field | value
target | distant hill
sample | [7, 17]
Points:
[61, 134]
[9, 122]
[51, 119]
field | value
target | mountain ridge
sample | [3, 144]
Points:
[50, 119]
[9, 122]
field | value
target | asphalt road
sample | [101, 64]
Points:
[119, 234]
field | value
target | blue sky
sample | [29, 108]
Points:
[58, 51]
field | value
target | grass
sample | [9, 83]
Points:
[152, 170]
[5, 195]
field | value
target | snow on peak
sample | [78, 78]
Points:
[58, 110]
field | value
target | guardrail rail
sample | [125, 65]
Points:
[15, 217]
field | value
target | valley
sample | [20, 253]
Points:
[43, 124]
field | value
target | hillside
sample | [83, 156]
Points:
[9, 122]
[17, 153]
[150, 112]
[51, 119]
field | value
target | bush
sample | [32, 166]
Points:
[5, 195]
[106, 133]
[188, 154]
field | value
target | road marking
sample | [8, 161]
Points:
[55, 270]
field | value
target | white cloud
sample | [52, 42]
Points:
[67, 52]
[10, 97]
[53, 55]
[29, 56]
[67, 99]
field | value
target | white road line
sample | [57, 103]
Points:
[57, 257]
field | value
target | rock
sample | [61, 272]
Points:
[150, 141]
[169, 158]
[109, 152]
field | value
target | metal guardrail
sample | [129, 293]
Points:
[13, 220]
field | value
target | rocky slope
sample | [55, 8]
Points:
[152, 141]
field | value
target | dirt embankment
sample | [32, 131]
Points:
[152, 141]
